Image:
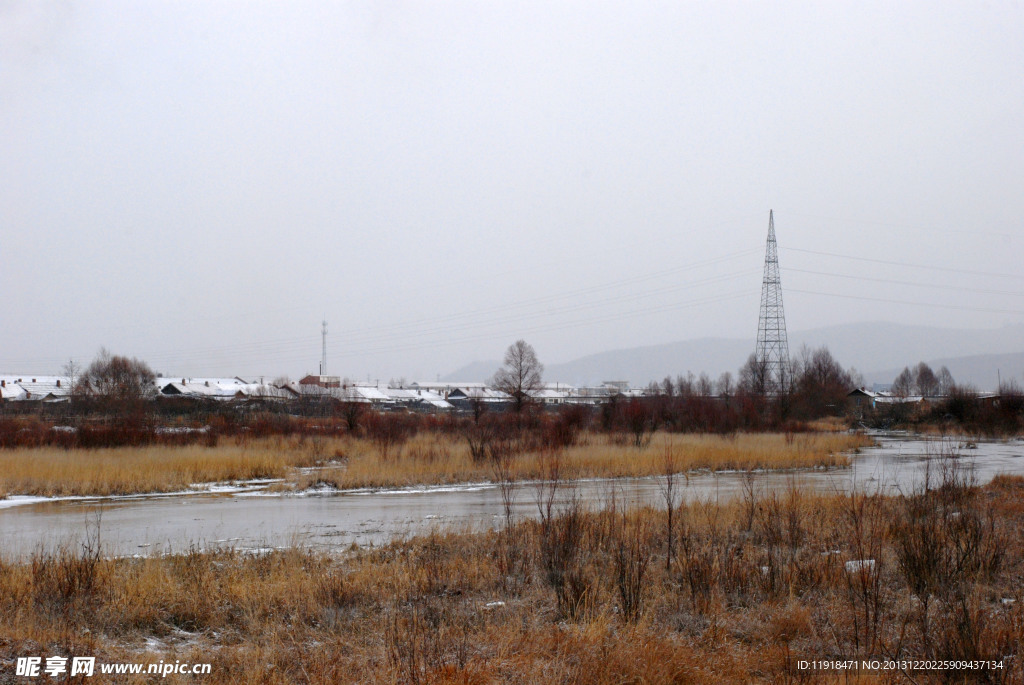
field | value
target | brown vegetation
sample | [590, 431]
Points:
[963, 411]
[391, 454]
[128, 470]
[589, 596]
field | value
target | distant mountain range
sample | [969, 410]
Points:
[878, 350]
[983, 371]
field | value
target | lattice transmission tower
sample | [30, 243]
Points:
[772, 353]
[323, 356]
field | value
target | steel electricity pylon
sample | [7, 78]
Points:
[323, 356]
[772, 353]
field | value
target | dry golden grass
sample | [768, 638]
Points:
[116, 471]
[741, 601]
[426, 458]
[437, 459]
[829, 424]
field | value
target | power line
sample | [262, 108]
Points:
[457, 326]
[474, 314]
[356, 340]
[443, 335]
[561, 325]
[914, 304]
[358, 343]
[904, 264]
[910, 283]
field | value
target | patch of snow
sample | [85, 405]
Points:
[259, 551]
[16, 500]
[199, 489]
[421, 489]
[858, 565]
[318, 488]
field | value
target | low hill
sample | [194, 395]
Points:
[971, 355]
[983, 371]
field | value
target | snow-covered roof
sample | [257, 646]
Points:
[400, 394]
[430, 396]
[351, 393]
[438, 404]
[55, 389]
[309, 390]
[212, 388]
[192, 380]
[366, 393]
[549, 394]
[896, 399]
[172, 389]
[416, 398]
[267, 391]
[12, 392]
[34, 388]
[482, 393]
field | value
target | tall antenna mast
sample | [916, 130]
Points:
[772, 353]
[323, 358]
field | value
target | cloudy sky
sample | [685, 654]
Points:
[200, 184]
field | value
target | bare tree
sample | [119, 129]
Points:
[704, 385]
[351, 411]
[725, 385]
[520, 377]
[754, 376]
[946, 382]
[904, 383]
[820, 383]
[639, 420]
[685, 385]
[71, 372]
[113, 378]
[925, 380]
[670, 493]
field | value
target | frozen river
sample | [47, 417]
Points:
[257, 519]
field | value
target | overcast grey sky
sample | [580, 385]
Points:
[199, 184]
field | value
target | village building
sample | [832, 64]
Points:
[35, 389]
[321, 381]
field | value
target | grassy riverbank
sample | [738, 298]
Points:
[735, 593]
[424, 458]
[49, 471]
[433, 458]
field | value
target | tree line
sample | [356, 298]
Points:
[111, 406]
